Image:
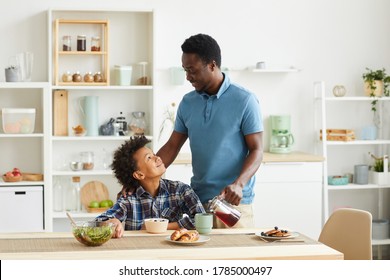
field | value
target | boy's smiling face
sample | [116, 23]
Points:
[148, 163]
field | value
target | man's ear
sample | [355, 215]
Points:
[213, 65]
[138, 175]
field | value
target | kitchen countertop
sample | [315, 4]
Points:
[240, 243]
[296, 156]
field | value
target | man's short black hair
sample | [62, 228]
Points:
[205, 47]
[124, 165]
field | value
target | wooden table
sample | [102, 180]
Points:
[140, 245]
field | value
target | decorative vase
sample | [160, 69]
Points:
[379, 178]
[12, 75]
[378, 88]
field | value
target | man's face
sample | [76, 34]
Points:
[148, 163]
[200, 75]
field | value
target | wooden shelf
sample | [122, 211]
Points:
[102, 55]
[81, 53]
[83, 84]
[275, 70]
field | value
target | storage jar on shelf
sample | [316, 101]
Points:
[138, 123]
[87, 158]
[95, 44]
[81, 43]
[66, 43]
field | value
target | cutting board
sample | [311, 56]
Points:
[60, 113]
[93, 190]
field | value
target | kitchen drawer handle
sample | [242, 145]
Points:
[18, 193]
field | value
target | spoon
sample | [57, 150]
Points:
[71, 219]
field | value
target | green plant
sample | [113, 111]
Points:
[378, 163]
[12, 67]
[376, 75]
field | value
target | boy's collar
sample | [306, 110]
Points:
[162, 188]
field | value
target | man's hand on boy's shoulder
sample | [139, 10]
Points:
[124, 192]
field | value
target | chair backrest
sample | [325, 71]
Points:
[349, 231]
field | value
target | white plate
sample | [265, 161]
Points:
[292, 235]
[202, 239]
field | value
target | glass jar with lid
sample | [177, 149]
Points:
[66, 43]
[77, 77]
[143, 73]
[81, 43]
[95, 44]
[87, 158]
[138, 123]
[98, 77]
[67, 77]
[88, 77]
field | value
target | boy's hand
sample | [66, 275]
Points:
[118, 228]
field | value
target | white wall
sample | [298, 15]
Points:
[329, 40]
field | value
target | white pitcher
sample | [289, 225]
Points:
[89, 107]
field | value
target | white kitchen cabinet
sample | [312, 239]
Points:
[127, 39]
[330, 114]
[21, 208]
[289, 195]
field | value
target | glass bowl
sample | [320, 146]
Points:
[93, 233]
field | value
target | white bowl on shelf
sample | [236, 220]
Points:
[76, 165]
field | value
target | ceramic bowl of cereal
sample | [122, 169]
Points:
[156, 225]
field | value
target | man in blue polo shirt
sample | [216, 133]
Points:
[224, 126]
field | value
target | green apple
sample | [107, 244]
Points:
[94, 204]
[103, 204]
[110, 203]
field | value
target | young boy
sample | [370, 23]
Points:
[139, 170]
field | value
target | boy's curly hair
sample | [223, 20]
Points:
[124, 165]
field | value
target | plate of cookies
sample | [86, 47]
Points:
[187, 237]
[277, 233]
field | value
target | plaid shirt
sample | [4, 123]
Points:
[173, 201]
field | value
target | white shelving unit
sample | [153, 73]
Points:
[132, 42]
[369, 197]
[29, 152]
[275, 70]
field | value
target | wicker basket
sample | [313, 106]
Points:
[12, 179]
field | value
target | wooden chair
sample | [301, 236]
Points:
[349, 232]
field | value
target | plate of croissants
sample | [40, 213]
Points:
[187, 237]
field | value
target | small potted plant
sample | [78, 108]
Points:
[12, 74]
[379, 171]
[376, 84]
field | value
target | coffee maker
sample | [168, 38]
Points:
[281, 137]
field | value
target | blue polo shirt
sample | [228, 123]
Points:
[216, 126]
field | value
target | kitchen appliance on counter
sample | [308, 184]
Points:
[281, 137]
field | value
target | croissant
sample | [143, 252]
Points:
[178, 233]
[185, 235]
[189, 237]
